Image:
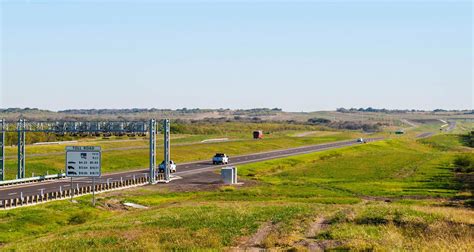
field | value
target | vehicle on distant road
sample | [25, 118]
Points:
[161, 167]
[361, 140]
[258, 134]
[220, 158]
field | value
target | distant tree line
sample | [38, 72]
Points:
[142, 110]
[22, 110]
[11, 138]
[388, 111]
[129, 111]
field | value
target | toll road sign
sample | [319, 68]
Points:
[83, 161]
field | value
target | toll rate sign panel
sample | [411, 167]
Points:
[83, 161]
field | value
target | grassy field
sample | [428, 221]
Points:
[397, 194]
[120, 155]
[463, 126]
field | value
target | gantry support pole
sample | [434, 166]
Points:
[166, 128]
[21, 148]
[152, 133]
[2, 150]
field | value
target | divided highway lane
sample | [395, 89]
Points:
[452, 126]
[184, 170]
[425, 135]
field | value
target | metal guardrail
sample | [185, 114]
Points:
[32, 179]
[78, 191]
[39, 198]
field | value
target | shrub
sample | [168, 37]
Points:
[318, 121]
[78, 218]
[464, 163]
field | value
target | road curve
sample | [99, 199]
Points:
[184, 170]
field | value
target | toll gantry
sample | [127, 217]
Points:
[82, 129]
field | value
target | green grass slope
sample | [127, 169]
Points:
[390, 195]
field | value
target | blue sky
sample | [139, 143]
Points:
[299, 56]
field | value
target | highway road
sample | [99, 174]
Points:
[184, 171]
[452, 126]
[425, 135]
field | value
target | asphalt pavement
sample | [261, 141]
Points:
[184, 171]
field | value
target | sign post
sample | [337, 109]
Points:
[72, 190]
[93, 191]
[83, 161]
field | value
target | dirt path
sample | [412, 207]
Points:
[316, 227]
[256, 241]
[310, 242]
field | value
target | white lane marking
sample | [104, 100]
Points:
[265, 159]
[13, 193]
[343, 143]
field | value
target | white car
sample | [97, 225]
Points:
[220, 158]
[161, 167]
[361, 140]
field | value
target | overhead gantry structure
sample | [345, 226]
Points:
[84, 128]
